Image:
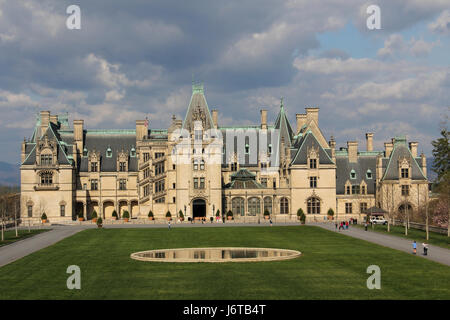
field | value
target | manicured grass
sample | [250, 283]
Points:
[436, 239]
[10, 235]
[333, 266]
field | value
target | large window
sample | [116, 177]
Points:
[159, 186]
[355, 189]
[122, 184]
[348, 208]
[254, 206]
[237, 205]
[159, 168]
[268, 204]
[284, 206]
[313, 182]
[363, 207]
[405, 172]
[46, 178]
[405, 190]
[46, 159]
[94, 184]
[313, 206]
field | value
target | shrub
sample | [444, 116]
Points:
[218, 213]
[211, 219]
[168, 214]
[94, 214]
[150, 214]
[180, 213]
[300, 212]
[266, 212]
[44, 216]
[229, 213]
[99, 221]
[126, 214]
[330, 212]
[114, 214]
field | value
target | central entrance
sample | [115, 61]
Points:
[199, 208]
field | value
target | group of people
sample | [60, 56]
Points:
[342, 225]
[424, 245]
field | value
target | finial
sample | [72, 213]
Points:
[281, 105]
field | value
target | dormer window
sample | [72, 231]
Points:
[313, 163]
[202, 165]
[195, 164]
[46, 159]
[133, 152]
[405, 173]
[247, 149]
[108, 152]
[234, 166]
[369, 174]
[122, 166]
[94, 166]
[353, 174]
[85, 152]
[270, 148]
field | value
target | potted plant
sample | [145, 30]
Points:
[181, 215]
[168, 216]
[300, 213]
[100, 222]
[211, 219]
[44, 218]
[229, 215]
[266, 214]
[114, 215]
[80, 217]
[150, 215]
[330, 214]
[126, 215]
[94, 216]
[217, 215]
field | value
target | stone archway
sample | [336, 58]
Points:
[198, 208]
[108, 208]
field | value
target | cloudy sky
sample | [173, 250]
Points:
[133, 59]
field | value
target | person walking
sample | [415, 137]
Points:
[425, 249]
[414, 245]
[365, 226]
[346, 225]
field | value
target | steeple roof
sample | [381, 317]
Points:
[198, 109]
[282, 124]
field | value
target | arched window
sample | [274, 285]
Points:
[268, 204]
[254, 206]
[284, 206]
[238, 206]
[313, 206]
[46, 178]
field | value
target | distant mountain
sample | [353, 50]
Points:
[9, 174]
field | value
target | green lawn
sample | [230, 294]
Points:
[436, 239]
[333, 266]
[10, 235]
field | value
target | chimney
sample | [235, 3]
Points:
[312, 114]
[332, 144]
[45, 120]
[54, 119]
[263, 119]
[214, 118]
[78, 134]
[301, 120]
[413, 147]
[424, 164]
[141, 129]
[388, 149]
[369, 141]
[352, 147]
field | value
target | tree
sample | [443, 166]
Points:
[441, 155]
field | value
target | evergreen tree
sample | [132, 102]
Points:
[441, 154]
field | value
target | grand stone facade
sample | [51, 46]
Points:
[199, 167]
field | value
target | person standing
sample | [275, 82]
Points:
[335, 224]
[425, 249]
[169, 224]
[365, 226]
[270, 221]
[346, 225]
[414, 245]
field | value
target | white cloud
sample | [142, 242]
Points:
[396, 46]
[442, 24]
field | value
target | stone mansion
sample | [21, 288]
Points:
[199, 167]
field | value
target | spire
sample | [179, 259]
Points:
[282, 124]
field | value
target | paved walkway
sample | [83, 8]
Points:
[435, 253]
[22, 248]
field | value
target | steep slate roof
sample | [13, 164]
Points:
[101, 141]
[282, 124]
[307, 141]
[400, 151]
[244, 179]
[344, 168]
[198, 100]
